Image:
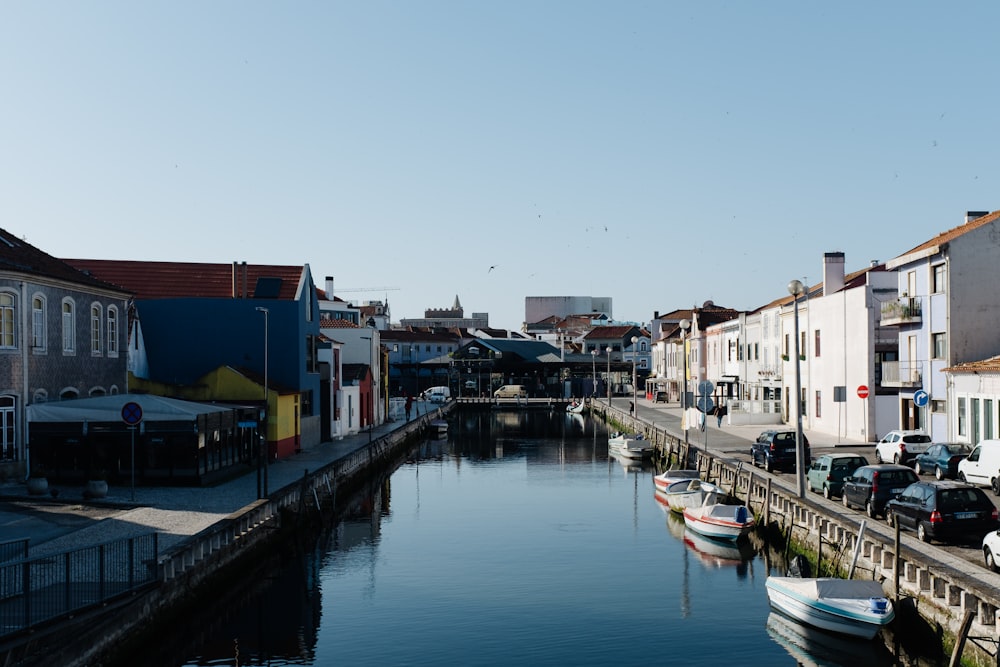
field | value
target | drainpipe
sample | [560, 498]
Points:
[22, 409]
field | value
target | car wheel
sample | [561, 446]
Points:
[768, 465]
[917, 468]
[938, 473]
[826, 491]
[843, 499]
[895, 459]
[922, 533]
[995, 483]
[878, 457]
[961, 477]
[991, 561]
[870, 510]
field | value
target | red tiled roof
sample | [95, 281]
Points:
[991, 365]
[19, 256]
[332, 323]
[170, 280]
[954, 233]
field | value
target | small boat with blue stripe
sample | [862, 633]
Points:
[720, 522]
[855, 607]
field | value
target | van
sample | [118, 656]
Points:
[511, 391]
[982, 466]
[436, 394]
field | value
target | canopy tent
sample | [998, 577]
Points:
[109, 409]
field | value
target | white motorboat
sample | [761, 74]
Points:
[688, 493]
[855, 607]
[632, 446]
[665, 479]
[721, 522]
[576, 407]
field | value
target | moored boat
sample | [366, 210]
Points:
[721, 522]
[665, 479]
[855, 607]
[632, 446]
[688, 493]
[576, 407]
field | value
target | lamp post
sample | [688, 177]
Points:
[684, 325]
[635, 342]
[264, 411]
[593, 372]
[608, 350]
[796, 288]
[371, 400]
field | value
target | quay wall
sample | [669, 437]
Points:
[948, 593]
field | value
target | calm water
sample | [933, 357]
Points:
[514, 541]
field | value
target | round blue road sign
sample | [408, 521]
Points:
[920, 398]
[131, 413]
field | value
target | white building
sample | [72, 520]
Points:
[973, 400]
[945, 314]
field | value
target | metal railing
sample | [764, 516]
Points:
[36, 590]
[13, 550]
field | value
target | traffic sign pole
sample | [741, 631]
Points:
[863, 395]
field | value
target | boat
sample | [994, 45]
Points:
[722, 522]
[854, 607]
[632, 446]
[688, 493]
[439, 427]
[576, 407]
[665, 479]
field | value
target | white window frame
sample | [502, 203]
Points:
[68, 312]
[39, 330]
[112, 326]
[8, 320]
[96, 329]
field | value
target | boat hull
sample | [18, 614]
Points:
[663, 480]
[720, 522]
[688, 493]
[630, 447]
[849, 607]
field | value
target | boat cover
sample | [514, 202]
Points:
[833, 588]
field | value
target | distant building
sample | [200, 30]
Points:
[448, 318]
[540, 308]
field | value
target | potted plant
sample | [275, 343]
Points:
[97, 483]
[38, 483]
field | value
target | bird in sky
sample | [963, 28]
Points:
[492, 267]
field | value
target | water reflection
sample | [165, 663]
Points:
[812, 646]
[715, 554]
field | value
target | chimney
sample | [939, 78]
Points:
[329, 288]
[972, 215]
[833, 272]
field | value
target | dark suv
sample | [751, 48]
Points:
[943, 510]
[873, 486]
[776, 449]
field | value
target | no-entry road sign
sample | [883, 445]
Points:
[863, 391]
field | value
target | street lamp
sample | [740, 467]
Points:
[635, 342]
[684, 325]
[371, 399]
[608, 350]
[796, 288]
[263, 412]
[593, 372]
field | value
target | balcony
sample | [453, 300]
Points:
[901, 374]
[905, 310]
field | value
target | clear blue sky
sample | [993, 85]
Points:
[660, 153]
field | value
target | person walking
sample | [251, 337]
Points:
[720, 412]
[409, 406]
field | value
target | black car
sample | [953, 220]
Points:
[943, 510]
[775, 449]
[873, 486]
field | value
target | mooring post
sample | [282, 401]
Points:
[767, 503]
[895, 566]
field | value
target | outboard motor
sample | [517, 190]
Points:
[799, 567]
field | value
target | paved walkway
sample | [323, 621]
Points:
[180, 512]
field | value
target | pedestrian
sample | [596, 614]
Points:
[409, 406]
[631, 408]
[720, 412]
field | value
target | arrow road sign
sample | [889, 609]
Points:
[920, 398]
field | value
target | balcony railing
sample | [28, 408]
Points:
[905, 310]
[901, 374]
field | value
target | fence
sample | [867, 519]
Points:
[34, 591]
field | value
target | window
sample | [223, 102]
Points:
[940, 344]
[938, 279]
[804, 402]
[38, 323]
[816, 344]
[95, 329]
[8, 446]
[8, 317]
[787, 351]
[68, 326]
[962, 429]
[987, 419]
[311, 358]
[802, 343]
[112, 331]
[819, 404]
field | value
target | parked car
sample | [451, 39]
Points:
[982, 465]
[436, 394]
[901, 446]
[872, 486]
[511, 391]
[827, 472]
[942, 510]
[991, 550]
[942, 459]
[775, 449]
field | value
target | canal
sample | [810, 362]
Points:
[515, 540]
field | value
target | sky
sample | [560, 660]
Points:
[663, 154]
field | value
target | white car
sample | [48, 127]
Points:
[901, 446]
[991, 550]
